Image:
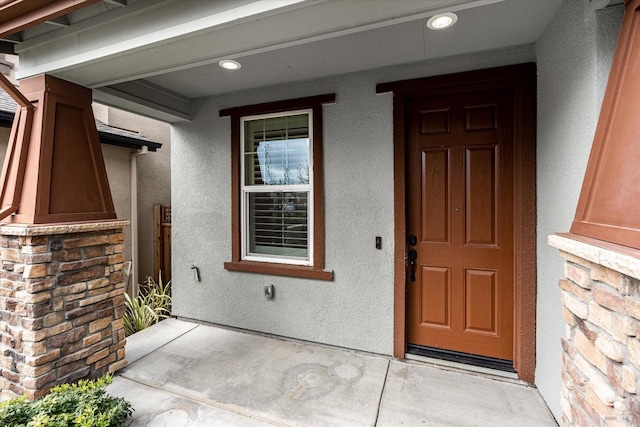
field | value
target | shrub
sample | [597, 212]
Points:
[152, 304]
[84, 404]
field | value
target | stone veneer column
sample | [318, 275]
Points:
[61, 305]
[601, 348]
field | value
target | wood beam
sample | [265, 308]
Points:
[18, 15]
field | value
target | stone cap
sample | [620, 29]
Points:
[62, 228]
[623, 260]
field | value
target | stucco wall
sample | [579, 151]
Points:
[116, 161]
[574, 57]
[356, 309]
[154, 180]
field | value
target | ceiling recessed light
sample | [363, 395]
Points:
[442, 21]
[228, 64]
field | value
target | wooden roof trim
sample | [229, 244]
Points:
[444, 82]
[279, 106]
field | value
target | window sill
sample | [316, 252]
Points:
[279, 270]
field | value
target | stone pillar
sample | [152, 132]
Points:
[61, 305]
[601, 348]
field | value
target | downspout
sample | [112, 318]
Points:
[134, 218]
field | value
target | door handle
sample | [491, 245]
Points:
[413, 255]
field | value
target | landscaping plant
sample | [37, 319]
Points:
[152, 304]
[84, 404]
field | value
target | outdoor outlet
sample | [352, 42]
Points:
[268, 291]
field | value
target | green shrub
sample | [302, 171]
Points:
[84, 404]
[152, 304]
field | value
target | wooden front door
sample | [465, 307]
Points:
[460, 222]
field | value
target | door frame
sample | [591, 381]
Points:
[521, 79]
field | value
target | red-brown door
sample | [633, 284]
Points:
[460, 198]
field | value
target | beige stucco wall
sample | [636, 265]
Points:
[574, 58]
[355, 310]
[154, 177]
[116, 161]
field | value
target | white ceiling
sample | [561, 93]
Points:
[498, 25]
[154, 56]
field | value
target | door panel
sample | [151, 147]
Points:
[460, 158]
[435, 195]
[481, 287]
[434, 122]
[436, 301]
[481, 196]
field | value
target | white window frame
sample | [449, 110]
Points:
[246, 190]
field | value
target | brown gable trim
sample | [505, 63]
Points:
[279, 106]
[608, 205]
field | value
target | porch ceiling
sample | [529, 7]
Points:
[154, 56]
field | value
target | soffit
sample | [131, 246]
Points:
[154, 56]
[21, 15]
[484, 28]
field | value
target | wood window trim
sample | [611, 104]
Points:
[316, 271]
[521, 79]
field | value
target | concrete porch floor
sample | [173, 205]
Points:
[187, 374]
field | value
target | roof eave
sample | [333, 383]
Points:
[6, 121]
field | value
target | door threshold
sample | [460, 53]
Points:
[464, 358]
[462, 366]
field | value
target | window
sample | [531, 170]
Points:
[277, 191]
[276, 188]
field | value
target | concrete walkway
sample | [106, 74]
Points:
[186, 374]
